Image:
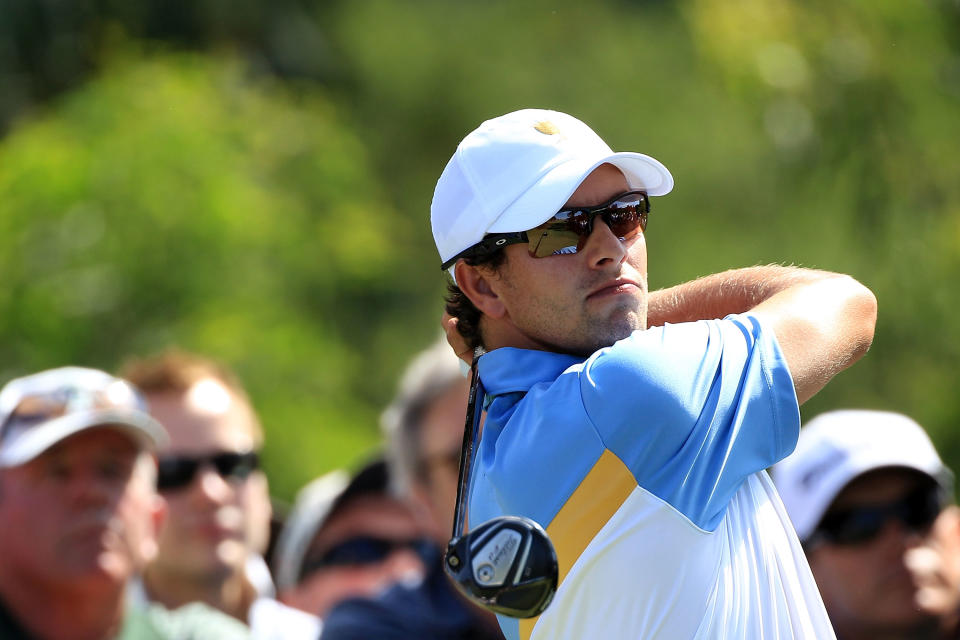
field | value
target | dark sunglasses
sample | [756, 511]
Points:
[177, 472]
[567, 231]
[359, 551]
[916, 511]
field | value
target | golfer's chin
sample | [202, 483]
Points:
[609, 330]
[622, 321]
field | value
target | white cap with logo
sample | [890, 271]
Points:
[515, 171]
[838, 446]
[37, 411]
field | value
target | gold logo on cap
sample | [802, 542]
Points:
[547, 127]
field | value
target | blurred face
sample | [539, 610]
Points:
[215, 521]
[441, 435]
[578, 303]
[83, 514]
[898, 580]
[361, 550]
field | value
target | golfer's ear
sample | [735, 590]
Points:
[475, 282]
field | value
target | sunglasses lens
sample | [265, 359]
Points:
[175, 473]
[916, 512]
[553, 238]
[356, 552]
[567, 232]
[625, 217]
[359, 551]
[922, 509]
[853, 526]
[235, 465]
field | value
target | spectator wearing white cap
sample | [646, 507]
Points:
[79, 513]
[872, 503]
[346, 537]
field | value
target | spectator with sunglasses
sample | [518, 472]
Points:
[346, 538]
[634, 426]
[79, 513]
[872, 503]
[424, 430]
[219, 524]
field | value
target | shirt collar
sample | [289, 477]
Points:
[507, 370]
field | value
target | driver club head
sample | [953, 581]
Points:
[507, 565]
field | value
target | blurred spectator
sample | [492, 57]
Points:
[79, 513]
[872, 503]
[424, 430]
[346, 538]
[218, 528]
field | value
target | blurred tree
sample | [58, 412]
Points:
[174, 200]
[860, 104]
[47, 47]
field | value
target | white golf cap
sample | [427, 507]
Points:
[514, 172]
[40, 410]
[838, 446]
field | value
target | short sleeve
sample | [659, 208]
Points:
[692, 409]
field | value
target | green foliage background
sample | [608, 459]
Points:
[252, 180]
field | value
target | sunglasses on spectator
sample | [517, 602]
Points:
[858, 525]
[177, 472]
[357, 552]
[567, 231]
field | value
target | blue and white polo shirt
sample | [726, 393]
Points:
[646, 465]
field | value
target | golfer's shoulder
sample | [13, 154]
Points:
[672, 357]
[652, 349]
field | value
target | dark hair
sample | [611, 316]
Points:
[459, 306]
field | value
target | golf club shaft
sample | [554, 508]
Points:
[471, 428]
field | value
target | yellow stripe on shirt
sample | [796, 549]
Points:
[600, 494]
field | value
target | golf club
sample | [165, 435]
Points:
[508, 564]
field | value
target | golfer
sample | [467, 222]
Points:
[634, 426]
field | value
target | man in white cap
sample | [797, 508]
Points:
[346, 538]
[872, 503]
[634, 426]
[79, 512]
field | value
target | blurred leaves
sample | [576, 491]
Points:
[177, 200]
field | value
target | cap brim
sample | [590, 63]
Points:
[144, 430]
[546, 196]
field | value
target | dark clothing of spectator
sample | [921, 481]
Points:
[10, 629]
[431, 609]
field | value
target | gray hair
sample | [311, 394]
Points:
[429, 375]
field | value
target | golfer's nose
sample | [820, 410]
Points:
[603, 247]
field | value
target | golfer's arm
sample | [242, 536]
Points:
[823, 321]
